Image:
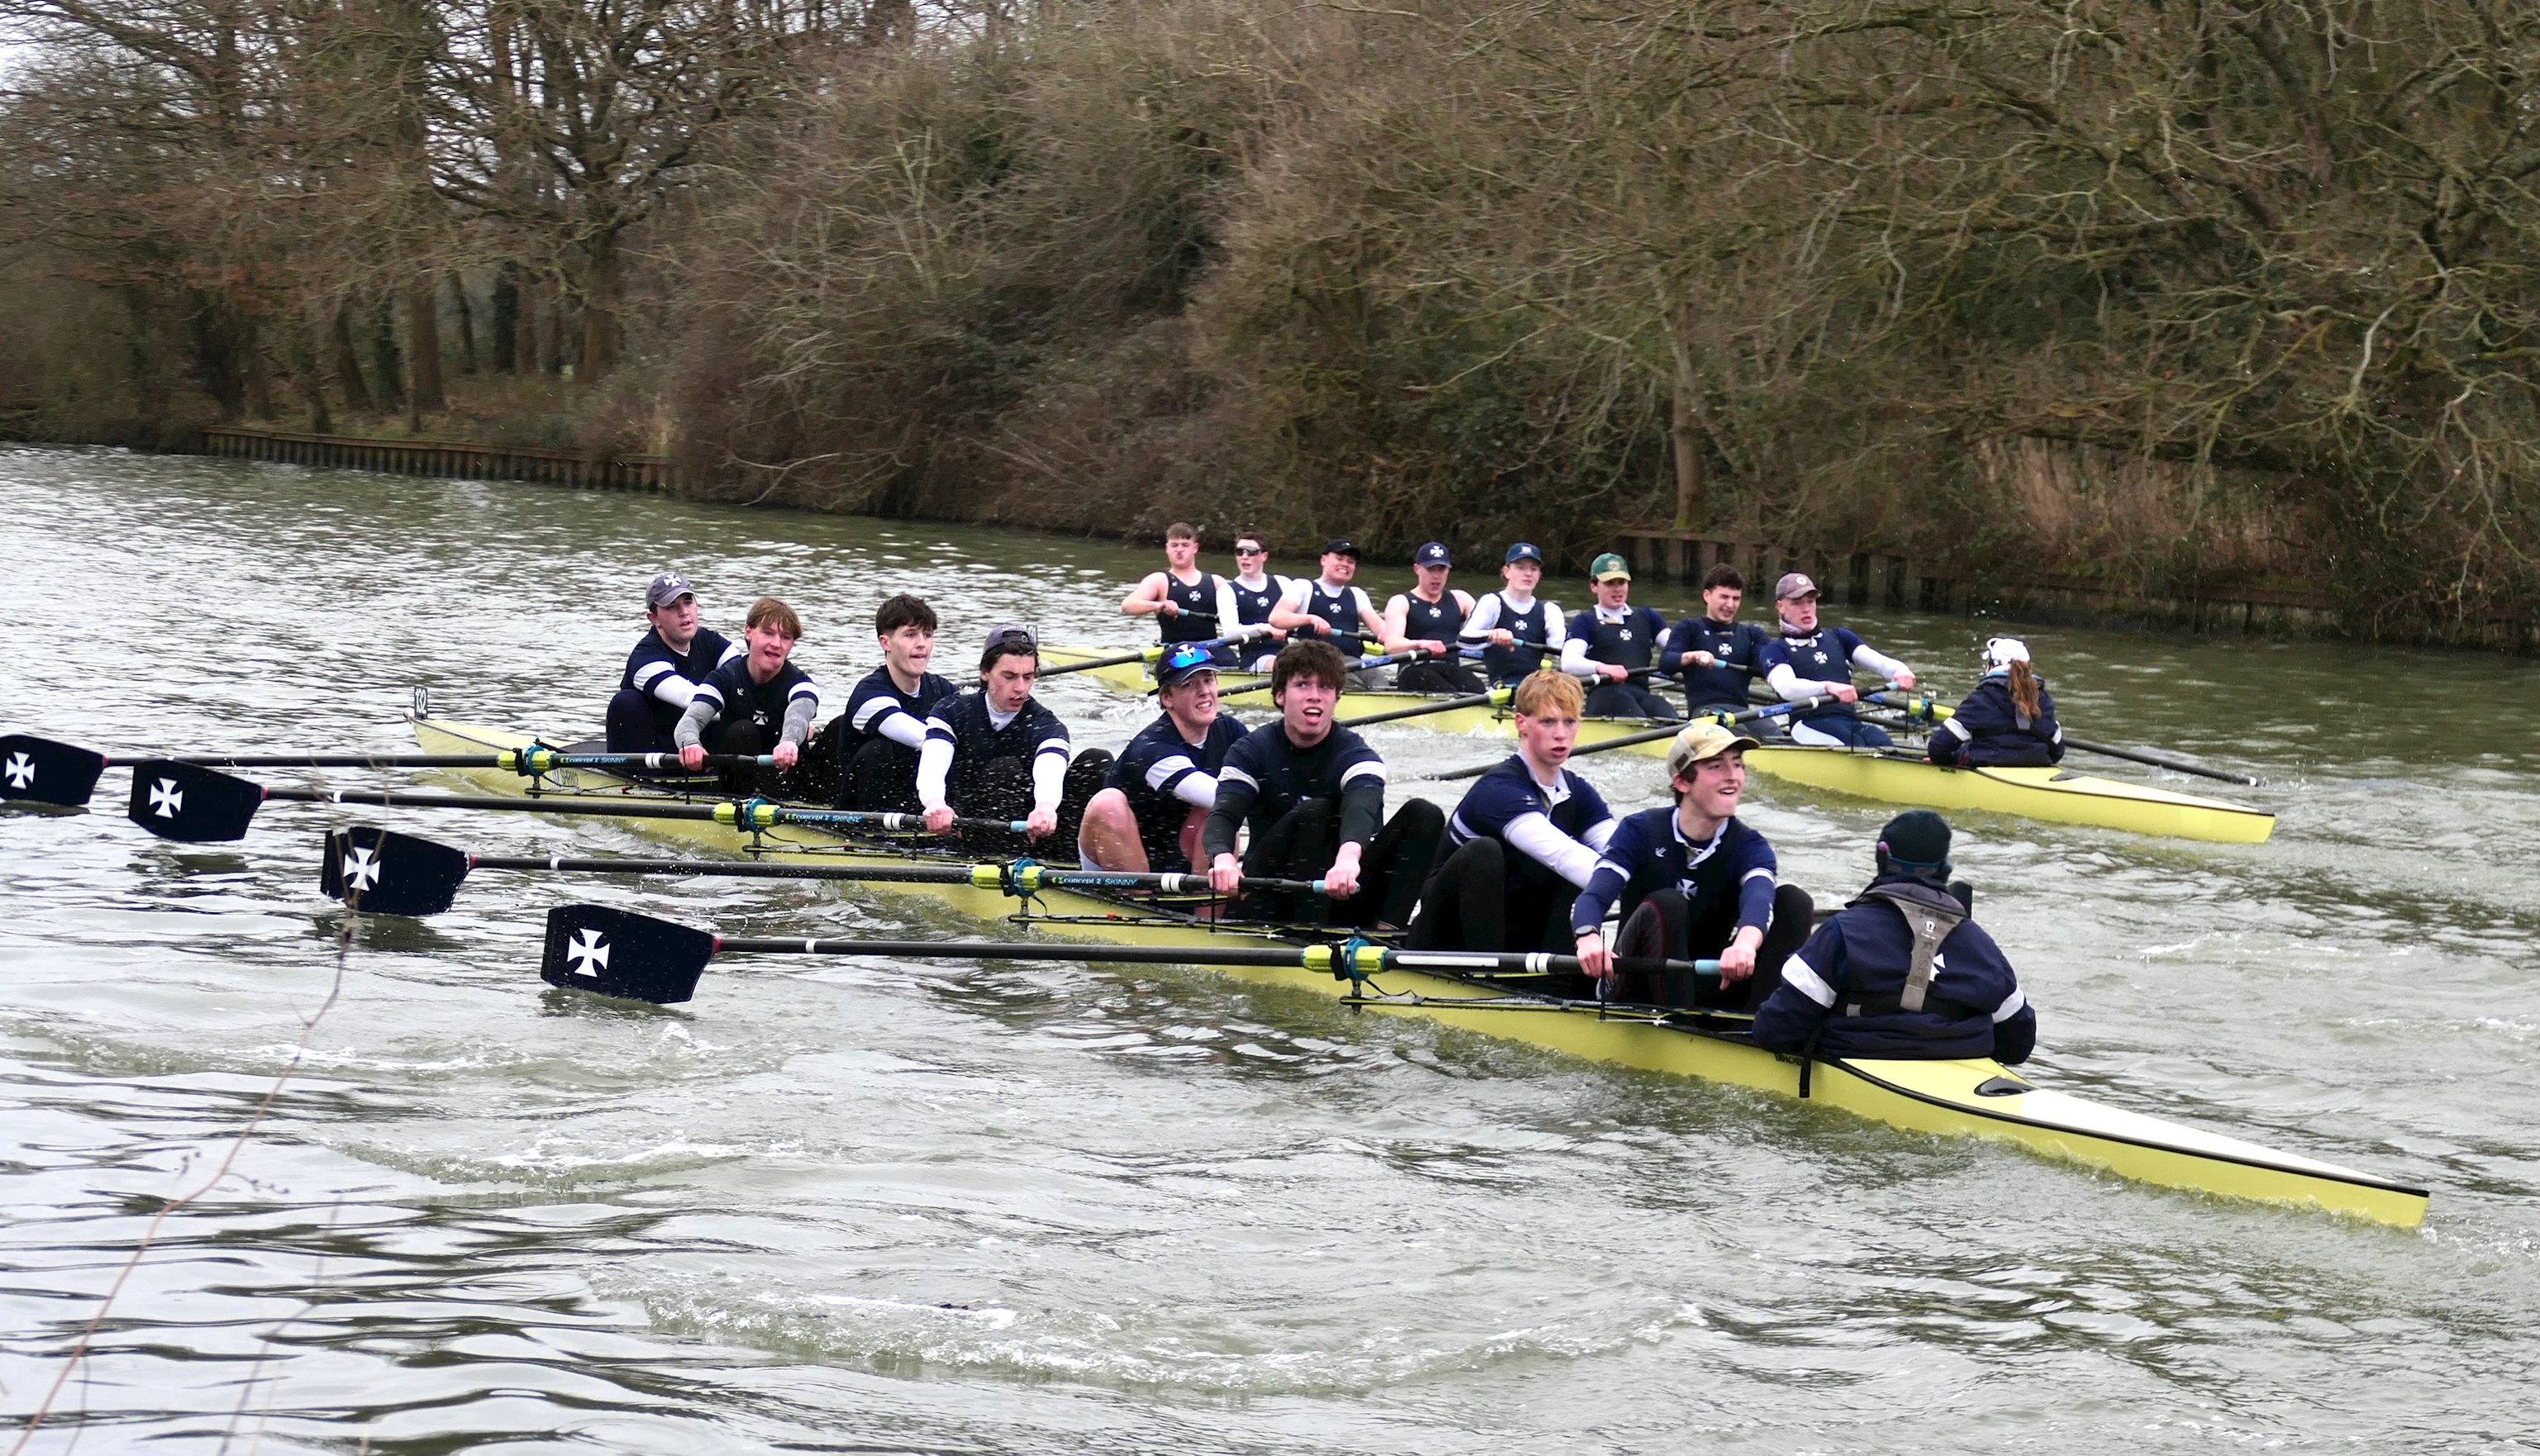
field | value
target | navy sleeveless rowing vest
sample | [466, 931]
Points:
[1253, 607]
[1823, 655]
[1535, 624]
[1341, 611]
[1628, 643]
[1433, 622]
[1198, 621]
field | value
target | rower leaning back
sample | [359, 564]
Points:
[1809, 661]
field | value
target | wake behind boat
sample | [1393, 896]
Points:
[1958, 1097]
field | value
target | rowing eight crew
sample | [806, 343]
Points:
[1533, 858]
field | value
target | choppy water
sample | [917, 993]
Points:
[852, 1206]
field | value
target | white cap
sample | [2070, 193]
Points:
[2001, 651]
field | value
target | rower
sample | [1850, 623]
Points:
[1809, 661]
[663, 673]
[1431, 617]
[1330, 608]
[1161, 788]
[753, 699]
[1311, 792]
[997, 754]
[1716, 652]
[1515, 632]
[1188, 603]
[2008, 722]
[1614, 641]
[884, 724]
[1523, 842]
[1694, 883]
[1902, 971]
[1256, 591]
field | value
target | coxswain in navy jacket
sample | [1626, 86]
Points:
[1989, 729]
[1847, 993]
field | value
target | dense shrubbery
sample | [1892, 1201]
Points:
[2183, 292]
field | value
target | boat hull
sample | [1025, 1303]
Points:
[2052, 795]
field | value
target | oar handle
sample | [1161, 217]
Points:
[541, 759]
[759, 813]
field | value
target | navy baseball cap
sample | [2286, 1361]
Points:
[1339, 547]
[667, 587]
[1523, 551]
[1432, 554]
[1184, 662]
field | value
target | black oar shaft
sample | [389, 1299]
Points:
[985, 876]
[1416, 710]
[393, 799]
[2159, 761]
[1155, 955]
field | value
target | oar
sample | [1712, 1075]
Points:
[1497, 697]
[1363, 665]
[1646, 735]
[196, 804]
[49, 771]
[620, 953]
[1151, 654]
[391, 873]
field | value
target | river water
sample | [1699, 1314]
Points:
[851, 1206]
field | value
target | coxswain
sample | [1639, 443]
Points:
[1311, 794]
[1163, 785]
[1693, 882]
[1614, 643]
[1902, 971]
[1526, 839]
[1809, 661]
[1330, 608]
[996, 754]
[663, 673]
[1714, 652]
[2008, 722]
[1430, 617]
[1188, 603]
[1516, 632]
[755, 700]
[1257, 590]
[884, 726]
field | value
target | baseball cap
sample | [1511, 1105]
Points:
[1523, 551]
[667, 587]
[2001, 651]
[1016, 634]
[1608, 568]
[1184, 662]
[1917, 839]
[1432, 554]
[1700, 742]
[1341, 547]
[1793, 585]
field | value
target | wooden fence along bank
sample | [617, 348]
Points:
[1856, 578]
[454, 458]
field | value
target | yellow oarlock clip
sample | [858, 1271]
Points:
[1503, 695]
[987, 877]
[758, 813]
[509, 760]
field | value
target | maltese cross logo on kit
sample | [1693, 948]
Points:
[361, 868]
[166, 799]
[589, 952]
[22, 770]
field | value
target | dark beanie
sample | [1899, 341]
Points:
[1916, 838]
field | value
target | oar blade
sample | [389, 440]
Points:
[189, 802]
[617, 952]
[389, 873]
[45, 772]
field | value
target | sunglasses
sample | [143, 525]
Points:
[1251, 550]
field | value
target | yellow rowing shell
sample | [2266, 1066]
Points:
[2053, 794]
[1975, 1097]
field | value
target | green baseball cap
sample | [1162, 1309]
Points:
[1608, 568]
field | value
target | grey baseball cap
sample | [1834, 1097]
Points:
[1793, 585]
[667, 587]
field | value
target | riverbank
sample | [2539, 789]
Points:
[1853, 578]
